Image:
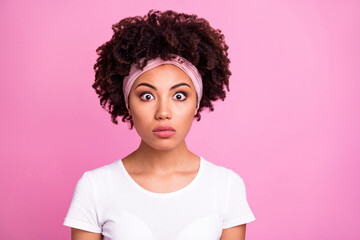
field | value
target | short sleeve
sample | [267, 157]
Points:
[82, 213]
[237, 210]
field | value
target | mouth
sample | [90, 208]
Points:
[163, 128]
[164, 131]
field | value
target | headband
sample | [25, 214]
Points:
[178, 61]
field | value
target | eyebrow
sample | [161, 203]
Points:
[151, 86]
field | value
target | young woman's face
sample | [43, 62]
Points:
[164, 95]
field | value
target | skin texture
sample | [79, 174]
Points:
[234, 233]
[164, 95]
[163, 164]
[164, 106]
[78, 234]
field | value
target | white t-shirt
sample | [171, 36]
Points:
[107, 200]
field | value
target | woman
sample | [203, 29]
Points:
[159, 72]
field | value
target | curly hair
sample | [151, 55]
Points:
[160, 34]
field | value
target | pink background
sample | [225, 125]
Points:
[289, 126]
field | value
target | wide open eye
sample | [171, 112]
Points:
[145, 96]
[181, 96]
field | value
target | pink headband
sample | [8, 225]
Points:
[178, 61]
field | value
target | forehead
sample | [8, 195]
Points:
[166, 74]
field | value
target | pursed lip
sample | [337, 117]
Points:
[163, 128]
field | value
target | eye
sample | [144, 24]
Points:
[181, 96]
[145, 96]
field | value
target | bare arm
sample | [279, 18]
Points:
[78, 234]
[234, 233]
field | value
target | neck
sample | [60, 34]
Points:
[163, 161]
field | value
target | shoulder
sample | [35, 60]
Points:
[221, 173]
[103, 174]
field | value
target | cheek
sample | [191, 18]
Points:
[140, 118]
[185, 119]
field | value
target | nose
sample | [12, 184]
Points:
[163, 110]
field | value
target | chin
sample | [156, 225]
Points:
[162, 144]
[163, 147]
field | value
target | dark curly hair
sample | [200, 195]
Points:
[161, 34]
